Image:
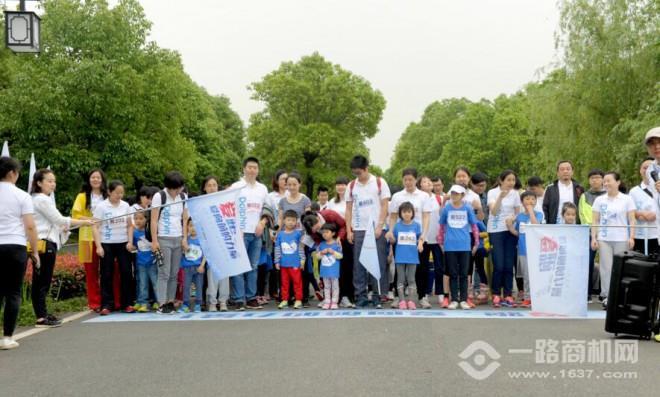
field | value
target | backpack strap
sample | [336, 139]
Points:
[379, 183]
[351, 185]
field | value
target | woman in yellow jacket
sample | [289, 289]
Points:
[93, 192]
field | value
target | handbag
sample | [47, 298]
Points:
[41, 244]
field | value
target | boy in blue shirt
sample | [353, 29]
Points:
[147, 272]
[408, 245]
[290, 259]
[456, 223]
[528, 216]
[193, 263]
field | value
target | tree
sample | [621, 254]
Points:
[316, 117]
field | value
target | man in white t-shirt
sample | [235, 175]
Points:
[367, 200]
[251, 200]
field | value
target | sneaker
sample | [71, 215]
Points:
[253, 305]
[508, 302]
[48, 323]
[521, 296]
[334, 306]
[320, 305]
[605, 304]
[445, 303]
[390, 296]
[104, 312]
[137, 307]
[164, 309]
[590, 300]
[453, 305]
[7, 343]
[129, 309]
[657, 337]
[305, 304]
[402, 305]
[361, 304]
[283, 305]
[526, 303]
[470, 303]
[496, 301]
[142, 308]
[319, 295]
[298, 305]
[465, 305]
[239, 307]
[441, 298]
[411, 305]
[184, 309]
[346, 303]
[155, 306]
[325, 306]
[223, 306]
[212, 308]
[198, 309]
[424, 303]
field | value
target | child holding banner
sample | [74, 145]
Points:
[529, 216]
[290, 259]
[456, 223]
[192, 263]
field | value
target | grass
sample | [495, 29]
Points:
[26, 315]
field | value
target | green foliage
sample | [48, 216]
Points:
[316, 117]
[100, 95]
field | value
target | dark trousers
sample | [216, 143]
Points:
[346, 288]
[111, 252]
[14, 260]
[42, 280]
[479, 259]
[272, 276]
[434, 271]
[458, 263]
[504, 256]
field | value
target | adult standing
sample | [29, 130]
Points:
[422, 205]
[338, 203]
[646, 236]
[93, 192]
[279, 190]
[367, 201]
[564, 189]
[503, 203]
[613, 229]
[16, 226]
[50, 223]
[585, 212]
[251, 200]
[169, 239]
[435, 270]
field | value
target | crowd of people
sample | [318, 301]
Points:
[432, 245]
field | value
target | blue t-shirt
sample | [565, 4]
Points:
[458, 222]
[144, 255]
[193, 255]
[524, 218]
[406, 237]
[289, 249]
[329, 263]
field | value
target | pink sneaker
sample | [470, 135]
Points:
[445, 303]
[496, 301]
[411, 305]
[325, 306]
[402, 305]
[333, 306]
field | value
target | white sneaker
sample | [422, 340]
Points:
[7, 343]
[346, 303]
[395, 303]
[390, 295]
[453, 305]
[320, 305]
[424, 302]
[213, 307]
[223, 306]
[464, 305]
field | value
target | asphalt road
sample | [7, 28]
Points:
[319, 357]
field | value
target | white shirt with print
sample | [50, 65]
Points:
[113, 231]
[366, 201]
[509, 204]
[249, 204]
[613, 211]
[644, 202]
[420, 200]
[170, 223]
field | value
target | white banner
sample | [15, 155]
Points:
[558, 261]
[215, 220]
[369, 253]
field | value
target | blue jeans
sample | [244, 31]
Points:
[191, 275]
[146, 275]
[244, 286]
[360, 275]
[504, 256]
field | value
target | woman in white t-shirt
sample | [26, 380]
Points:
[612, 209]
[111, 236]
[338, 203]
[16, 225]
[280, 190]
[50, 226]
[503, 202]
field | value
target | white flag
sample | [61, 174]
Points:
[558, 263]
[215, 220]
[33, 170]
[369, 253]
[5, 149]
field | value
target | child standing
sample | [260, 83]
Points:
[407, 238]
[529, 216]
[329, 253]
[456, 223]
[290, 259]
[569, 213]
[192, 262]
[147, 272]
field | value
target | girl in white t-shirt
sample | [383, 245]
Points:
[612, 209]
[111, 236]
[503, 202]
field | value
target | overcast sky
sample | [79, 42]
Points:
[413, 51]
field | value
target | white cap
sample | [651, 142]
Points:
[457, 189]
[653, 133]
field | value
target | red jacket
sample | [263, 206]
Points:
[331, 216]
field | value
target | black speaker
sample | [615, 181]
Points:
[632, 304]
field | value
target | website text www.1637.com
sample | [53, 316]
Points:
[573, 374]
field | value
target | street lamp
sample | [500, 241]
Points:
[22, 30]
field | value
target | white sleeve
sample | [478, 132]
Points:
[347, 194]
[427, 205]
[155, 200]
[492, 197]
[595, 207]
[46, 207]
[393, 206]
[98, 211]
[630, 204]
[27, 207]
[384, 189]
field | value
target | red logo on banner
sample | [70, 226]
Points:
[549, 245]
[228, 209]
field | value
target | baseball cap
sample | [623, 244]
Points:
[653, 133]
[457, 189]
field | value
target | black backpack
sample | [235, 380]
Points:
[163, 200]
